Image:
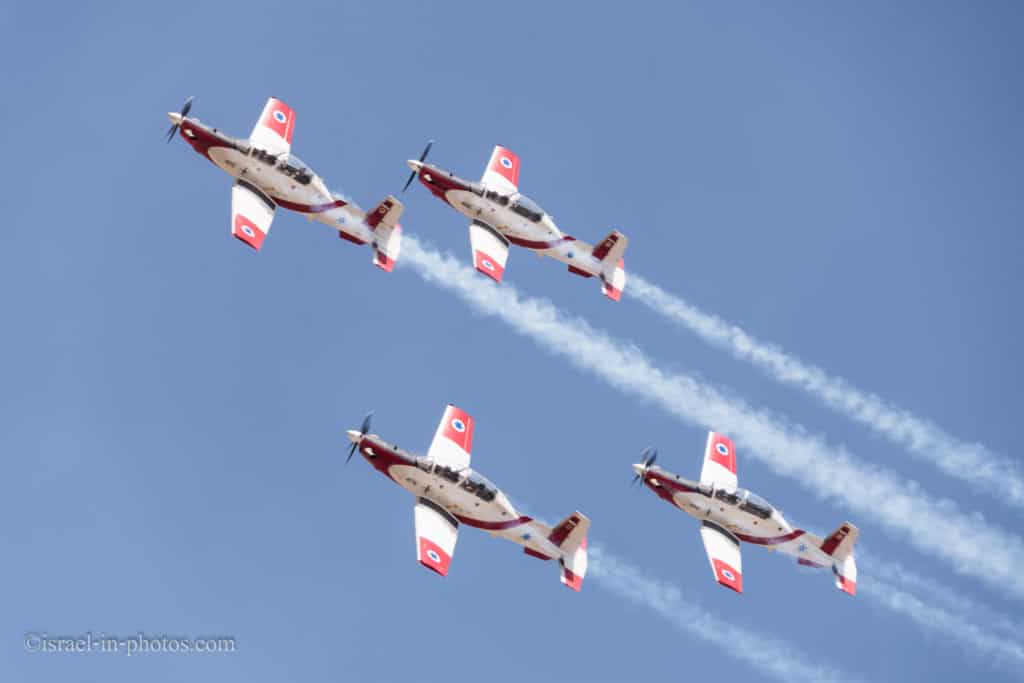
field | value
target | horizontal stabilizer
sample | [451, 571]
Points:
[533, 553]
[610, 252]
[387, 233]
[570, 535]
[839, 544]
[385, 214]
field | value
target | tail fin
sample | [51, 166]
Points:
[839, 544]
[570, 536]
[609, 252]
[387, 233]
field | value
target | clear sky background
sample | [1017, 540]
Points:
[844, 181]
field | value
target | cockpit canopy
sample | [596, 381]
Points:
[468, 480]
[746, 501]
[296, 163]
[527, 208]
[296, 168]
[479, 486]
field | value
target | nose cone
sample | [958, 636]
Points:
[639, 469]
[175, 117]
[353, 435]
[414, 165]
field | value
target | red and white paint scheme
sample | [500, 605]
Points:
[267, 175]
[501, 216]
[729, 515]
[450, 494]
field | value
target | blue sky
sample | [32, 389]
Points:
[843, 182]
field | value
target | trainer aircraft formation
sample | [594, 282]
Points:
[448, 492]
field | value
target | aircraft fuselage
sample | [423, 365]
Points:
[466, 495]
[285, 180]
[522, 225]
[745, 516]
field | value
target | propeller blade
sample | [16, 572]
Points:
[185, 109]
[647, 458]
[364, 428]
[412, 176]
[426, 151]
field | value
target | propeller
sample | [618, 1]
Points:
[647, 459]
[426, 151]
[363, 431]
[185, 109]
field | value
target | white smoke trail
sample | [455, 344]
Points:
[969, 462]
[969, 544]
[763, 652]
[977, 640]
[948, 599]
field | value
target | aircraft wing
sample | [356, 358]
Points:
[502, 172]
[273, 132]
[723, 551]
[490, 250]
[453, 439]
[251, 213]
[719, 462]
[436, 533]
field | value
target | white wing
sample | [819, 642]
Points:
[436, 533]
[490, 250]
[719, 462]
[453, 440]
[502, 172]
[723, 551]
[273, 132]
[251, 213]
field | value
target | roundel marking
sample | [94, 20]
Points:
[722, 448]
[248, 231]
[432, 554]
[725, 572]
[280, 117]
[458, 425]
[506, 162]
[487, 264]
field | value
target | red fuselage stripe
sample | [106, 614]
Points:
[494, 526]
[771, 540]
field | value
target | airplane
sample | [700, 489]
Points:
[449, 493]
[729, 515]
[500, 216]
[268, 175]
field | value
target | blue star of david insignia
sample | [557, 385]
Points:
[526, 536]
[803, 548]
